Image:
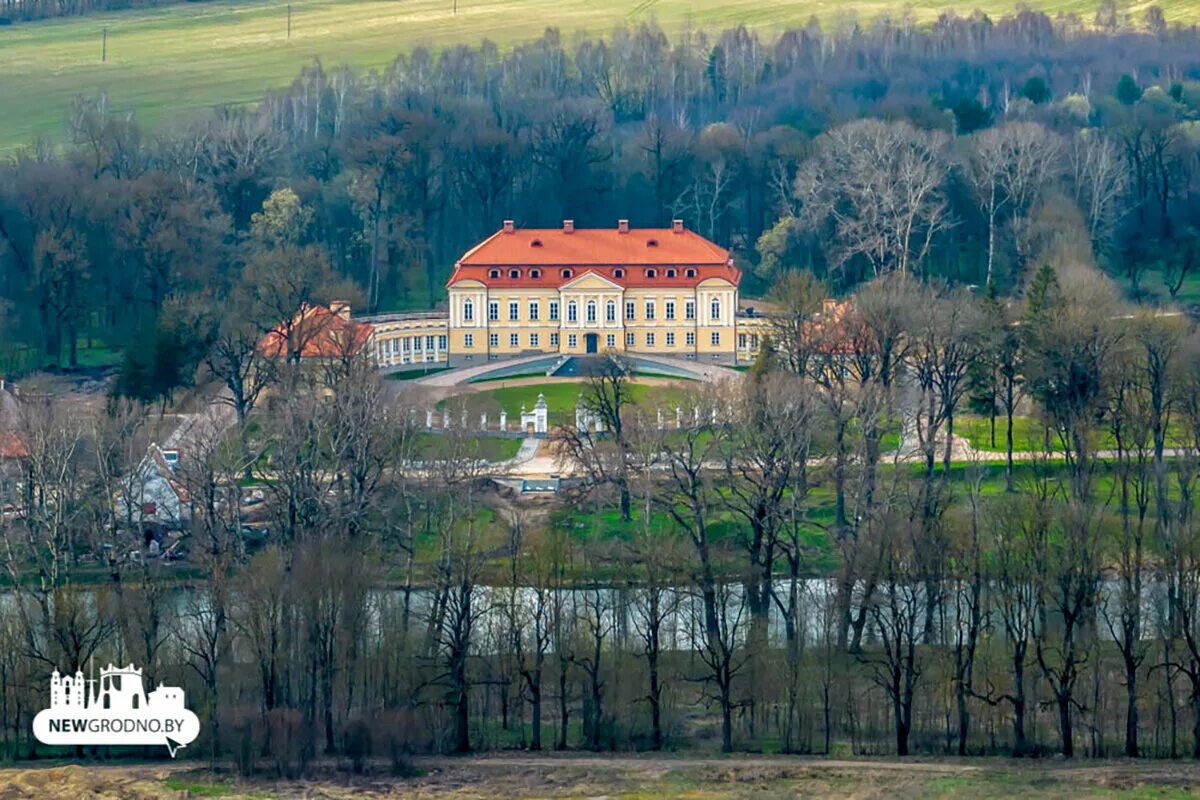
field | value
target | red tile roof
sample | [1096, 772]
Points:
[12, 445]
[602, 251]
[319, 333]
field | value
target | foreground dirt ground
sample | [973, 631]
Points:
[522, 776]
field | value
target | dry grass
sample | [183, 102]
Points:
[512, 776]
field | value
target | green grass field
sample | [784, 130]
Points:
[164, 63]
[561, 399]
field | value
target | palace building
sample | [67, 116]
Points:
[556, 291]
[575, 291]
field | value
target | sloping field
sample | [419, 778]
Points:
[514, 775]
[169, 61]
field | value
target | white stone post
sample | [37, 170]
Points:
[429, 418]
[503, 421]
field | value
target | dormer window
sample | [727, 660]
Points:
[650, 273]
[670, 273]
[691, 273]
[495, 273]
[536, 243]
[566, 273]
[514, 273]
[652, 243]
[535, 273]
[618, 273]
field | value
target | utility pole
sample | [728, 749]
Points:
[289, 20]
[104, 44]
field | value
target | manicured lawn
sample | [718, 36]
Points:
[1027, 433]
[561, 399]
[164, 63]
[488, 448]
[413, 374]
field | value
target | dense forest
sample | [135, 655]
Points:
[811, 564]
[985, 139]
[807, 563]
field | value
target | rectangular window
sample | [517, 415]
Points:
[533, 340]
[690, 339]
[742, 341]
[630, 310]
[611, 341]
[514, 312]
[716, 310]
[650, 339]
[689, 309]
[572, 312]
[428, 342]
[670, 339]
[610, 311]
[554, 311]
[716, 338]
[533, 311]
[554, 340]
[629, 340]
[416, 340]
[649, 309]
[395, 345]
[468, 340]
[514, 340]
[493, 340]
[572, 341]
[670, 309]
[493, 311]
[442, 342]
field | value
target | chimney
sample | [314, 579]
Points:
[568, 226]
[340, 308]
[622, 226]
[508, 226]
[677, 226]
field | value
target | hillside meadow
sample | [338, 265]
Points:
[164, 63]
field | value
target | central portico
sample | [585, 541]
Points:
[666, 291]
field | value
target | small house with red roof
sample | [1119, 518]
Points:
[317, 333]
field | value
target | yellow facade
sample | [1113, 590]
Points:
[593, 315]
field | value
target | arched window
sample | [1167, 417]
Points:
[572, 312]
[618, 273]
[495, 273]
[610, 312]
[691, 273]
[514, 273]
[566, 273]
[591, 311]
[468, 311]
[135, 702]
[670, 273]
[651, 273]
[716, 310]
[535, 273]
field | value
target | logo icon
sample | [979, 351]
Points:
[115, 710]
